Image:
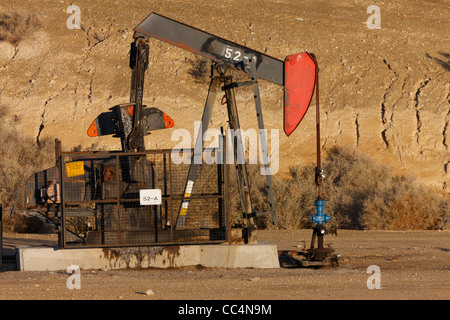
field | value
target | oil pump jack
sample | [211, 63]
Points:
[131, 122]
[296, 74]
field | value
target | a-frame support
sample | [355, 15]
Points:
[224, 81]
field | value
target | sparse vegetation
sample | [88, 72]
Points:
[199, 70]
[23, 224]
[360, 194]
[20, 158]
[15, 26]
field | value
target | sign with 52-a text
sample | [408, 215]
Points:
[150, 197]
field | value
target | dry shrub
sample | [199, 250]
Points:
[18, 223]
[295, 197]
[360, 194]
[352, 177]
[406, 205]
[199, 70]
[364, 194]
[15, 26]
[21, 157]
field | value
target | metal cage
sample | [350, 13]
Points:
[102, 199]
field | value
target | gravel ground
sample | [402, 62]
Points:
[413, 265]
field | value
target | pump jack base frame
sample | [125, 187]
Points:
[311, 258]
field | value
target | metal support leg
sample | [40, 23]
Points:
[239, 158]
[196, 160]
[263, 140]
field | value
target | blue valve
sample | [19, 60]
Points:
[320, 218]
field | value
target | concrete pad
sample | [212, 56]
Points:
[216, 256]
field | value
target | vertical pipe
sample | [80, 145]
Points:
[318, 147]
[170, 197]
[313, 238]
[226, 191]
[155, 207]
[166, 217]
[220, 181]
[320, 240]
[118, 198]
[62, 233]
[58, 159]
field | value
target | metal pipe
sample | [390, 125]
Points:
[62, 236]
[118, 198]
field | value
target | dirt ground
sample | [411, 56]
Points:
[413, 265]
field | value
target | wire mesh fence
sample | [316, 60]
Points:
[116, 199]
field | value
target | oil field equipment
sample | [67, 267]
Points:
[315, 256]
[96, 198]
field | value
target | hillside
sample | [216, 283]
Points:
[383, 91]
